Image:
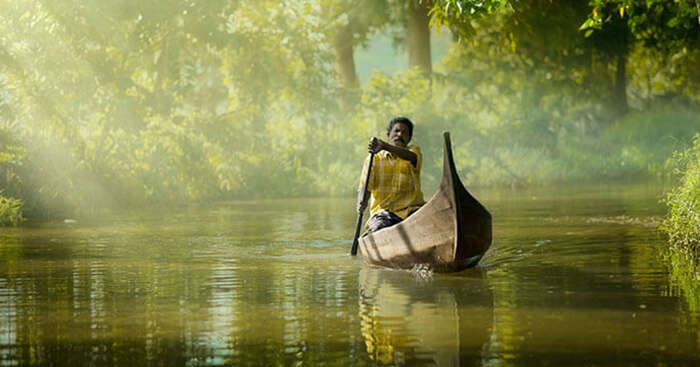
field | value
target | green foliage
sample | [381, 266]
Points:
[682, 224]
[657, 23]
[166, 103]
[10, 211]
[683, 221]
[670, 28]
[12, 157]
[643, 141]
[170, 102]
[457, 15]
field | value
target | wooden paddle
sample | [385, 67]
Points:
[358, 227]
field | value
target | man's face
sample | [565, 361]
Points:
[399, 135]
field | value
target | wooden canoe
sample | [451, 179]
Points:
[451, 232]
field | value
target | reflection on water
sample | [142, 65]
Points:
[409, 320]
[573, 277]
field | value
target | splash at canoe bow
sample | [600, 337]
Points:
[450, 233]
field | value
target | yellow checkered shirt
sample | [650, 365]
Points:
[394, 184]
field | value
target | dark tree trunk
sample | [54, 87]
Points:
[344, 59]
[418, 38]
[620, 88]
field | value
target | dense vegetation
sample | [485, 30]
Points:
[683, 221]
[121, 104]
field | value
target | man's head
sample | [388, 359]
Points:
[400, 131]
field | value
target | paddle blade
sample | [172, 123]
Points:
[356, 239]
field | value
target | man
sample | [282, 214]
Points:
[394, 184]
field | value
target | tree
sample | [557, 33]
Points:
[665, 26]
[656, 23]
[614, 41]
[349, 24]
[418, 36]
[164, 101]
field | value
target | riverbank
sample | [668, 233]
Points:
[682, 223]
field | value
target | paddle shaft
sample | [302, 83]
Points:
[358, 227]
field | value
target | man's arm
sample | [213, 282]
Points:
[377, 145]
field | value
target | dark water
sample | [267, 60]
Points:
[574, 277]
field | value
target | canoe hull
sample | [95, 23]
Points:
[451, 232]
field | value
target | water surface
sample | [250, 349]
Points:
[574, 277]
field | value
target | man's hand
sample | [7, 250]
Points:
[362, 202]
[361, 206]
[376, 145]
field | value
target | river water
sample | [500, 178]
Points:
[575, 276]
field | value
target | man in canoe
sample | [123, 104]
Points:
[393, 189]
